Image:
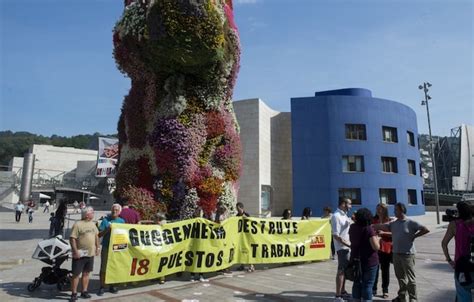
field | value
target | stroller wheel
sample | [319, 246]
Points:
[64, 284]
[34, 285]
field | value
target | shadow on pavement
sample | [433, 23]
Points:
[293, 296]
[19, 235]
[5, 209]
[44, 292]
[441, 266]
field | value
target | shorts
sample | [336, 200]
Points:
[103, 258]
[82, 265]
[342, 260]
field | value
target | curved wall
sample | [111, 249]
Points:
[319, 144]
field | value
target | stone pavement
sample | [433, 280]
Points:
[300, 282]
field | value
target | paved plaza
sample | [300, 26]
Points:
[298, 282]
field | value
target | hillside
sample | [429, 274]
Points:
[17, 143]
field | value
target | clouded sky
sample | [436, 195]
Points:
[57, 74]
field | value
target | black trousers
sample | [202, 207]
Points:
[385, 260]
[17, 216]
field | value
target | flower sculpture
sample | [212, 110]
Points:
[178, 135]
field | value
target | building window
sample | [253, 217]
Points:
[411, 167]
[412, 197]
[388, 196]
[352, 193]
[266, 199]
[411, 138]
[389, 134]
[389, 164]
[356, 132]
[352, 163]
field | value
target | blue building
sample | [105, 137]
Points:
[347, 143]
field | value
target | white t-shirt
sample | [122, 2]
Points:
[340, 224]
[19, 207]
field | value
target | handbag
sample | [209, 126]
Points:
[353, 271]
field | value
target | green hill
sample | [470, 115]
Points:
[17, 143]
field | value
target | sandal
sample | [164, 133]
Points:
[385, 295]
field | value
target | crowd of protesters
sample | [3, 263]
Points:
[375, 242]
[370, 243]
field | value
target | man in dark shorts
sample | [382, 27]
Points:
[84, 241]
[340, 224]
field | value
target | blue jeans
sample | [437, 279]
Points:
[363, 288]
[464, 293]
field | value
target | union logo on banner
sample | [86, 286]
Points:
[317, 242]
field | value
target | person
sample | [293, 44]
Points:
[19, 207]
[404, 232]
[84, 246]
[222, 214]
[31, 204]
[286, 215]
[160, 219]
[30, 214]
[385, 251]
[306, 213]
[364, 246]
[52, 223]
[104, 232]
[241, 213]
[327, 214]
[76, 206]
[463, 230]
[46, 207]
[340, 224]
[30, 210]
[197, 214]
[128, 214]
[59, 216]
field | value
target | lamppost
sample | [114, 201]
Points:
[85, 186]
[425, 89]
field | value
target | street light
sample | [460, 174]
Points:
[424, 102]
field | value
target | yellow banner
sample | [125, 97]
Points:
[142, 252]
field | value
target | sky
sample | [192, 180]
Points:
[58, 76]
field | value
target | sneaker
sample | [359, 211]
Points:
[73, 298]
[202, 279]
[85, 295]
[345, 295]
[100, 292]
[338, 299]
[113, 290]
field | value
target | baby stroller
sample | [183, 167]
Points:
[54, 252]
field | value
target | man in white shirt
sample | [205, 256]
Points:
[46, 207]
[340, 224]
[19, 207]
